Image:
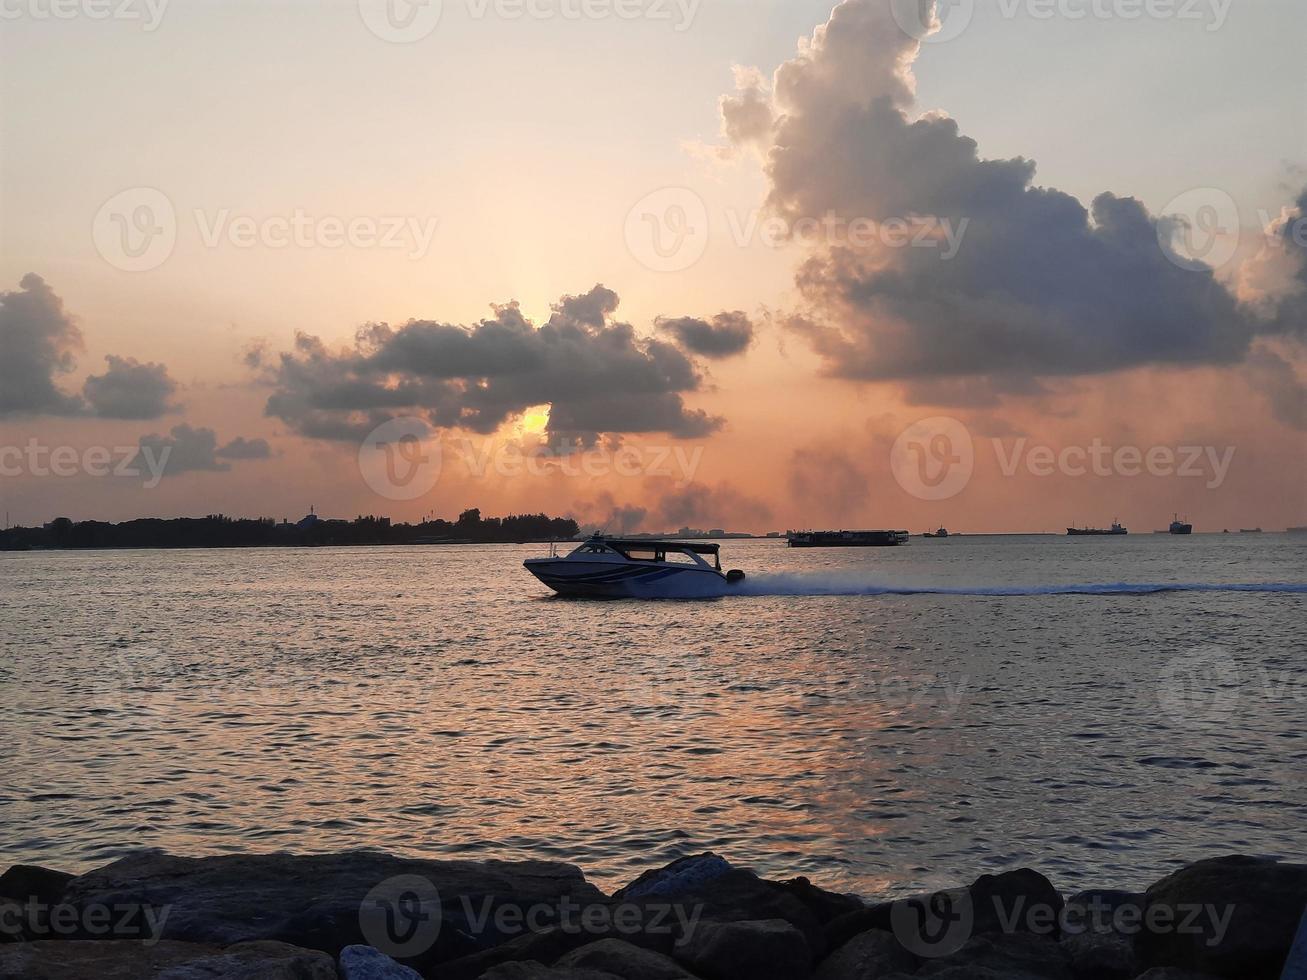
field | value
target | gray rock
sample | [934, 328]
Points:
[768, 949]
[678, 878]
[330, 901]
[531, 970]
[625, 960]
[545, 946]
[369, 963]
[1172, 973]
[1263, 900]
[118, 959]
[1020, 955]
[870, 956]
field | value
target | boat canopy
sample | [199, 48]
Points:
[648, 544]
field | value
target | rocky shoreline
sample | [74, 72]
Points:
[366, 915]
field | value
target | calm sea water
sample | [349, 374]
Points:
[434, 701]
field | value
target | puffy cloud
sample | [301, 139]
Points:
[37, 342]
[1038, 285]
[188, 449]
[592, 370]
[725, 335]
[747, 117]
[829, 481]
[130, 390]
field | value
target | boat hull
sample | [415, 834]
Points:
[848, 539]
[609, 580]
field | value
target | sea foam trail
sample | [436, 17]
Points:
[818, 585]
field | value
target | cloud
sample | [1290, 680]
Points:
[1277, 379]
[242, 448]
[592, 370]
[1038, 285]
[701, 506]
[189, 449]
[37, 340]
[130, 390]
[829, 481]
[726, 335]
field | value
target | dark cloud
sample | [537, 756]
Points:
[242, 448]
[725, 335]
[130, 390]
[593, 371]
[606, 515]
[37, 342]
[1037, 285]
[187, 449]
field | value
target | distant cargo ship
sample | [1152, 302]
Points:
[846, 539]
[1080, 531]
[1181, 527]
[941, 533]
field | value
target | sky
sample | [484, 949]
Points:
[1004, 265]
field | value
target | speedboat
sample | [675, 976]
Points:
[635, 568]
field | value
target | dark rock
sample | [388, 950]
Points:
[869, 956]
[1017, 955]
[420, 912]
[1172, 973]
[709, 894]
[118, 959]
[625, 960]
[545, 946]
[1015, 901]
[826, 906]
[538, 971]
[368, 963]
[1095, 956]
[682, 876]
[1098, 933]
[1229, 916]
[23, 882]
[769, 949]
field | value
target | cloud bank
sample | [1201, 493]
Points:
[592, 369]
[1040, 286]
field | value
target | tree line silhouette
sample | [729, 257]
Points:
[220, 531]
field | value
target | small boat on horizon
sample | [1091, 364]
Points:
[1180, 527]
[619, 568]
[941, 533]
[1116, 529]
